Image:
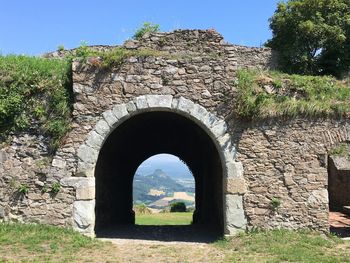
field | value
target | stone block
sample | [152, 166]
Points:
[130, 106]
[87, 154]
[234, 169]
[235, 220]
[85, 193]
[199, 112]
[141, 102]
[235, 185]
[102, 128]
[110, 118]
[85, 169]
[219, 129]
[318, 197]
[120, 111]
[84, 215]
[94, 140]
[58, 163]
[185, 105]
[159, 101]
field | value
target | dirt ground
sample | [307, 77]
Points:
[340, 224]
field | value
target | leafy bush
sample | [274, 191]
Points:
[178, 207]
[147, 27]
[266, 94]
[35, 94]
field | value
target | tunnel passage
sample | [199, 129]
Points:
[145, 135]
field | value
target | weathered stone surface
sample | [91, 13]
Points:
[102, 128]
[234, 214]
[318, 197]
[3, 157]
[85, 193]
[159, 101]
[110, 118]
[185, 105]
[141, 102]
[83, 214]
[235, 185]
[120, 111]
[59, 163]
[87, 154]
[94, 140]
[2, 212]
[234, 169]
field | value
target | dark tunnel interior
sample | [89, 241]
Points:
[141, 137]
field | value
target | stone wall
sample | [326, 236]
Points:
[287, 160]
[282, 160]
[27, 176]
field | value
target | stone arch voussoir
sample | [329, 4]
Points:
[216, 128]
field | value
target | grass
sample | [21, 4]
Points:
[285, 246]
[40, 243]
[112, 57]
[35, 95]
[269, 94]
[180, 218]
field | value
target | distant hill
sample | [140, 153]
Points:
[169, 164]
[150, 188]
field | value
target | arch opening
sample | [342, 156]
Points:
[339, 188]
[163, 191]
[142, 136]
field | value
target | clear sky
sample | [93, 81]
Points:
[37, 26]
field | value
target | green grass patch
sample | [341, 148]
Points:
[160, 219]
[35, 93]
[284, 246]
[269, 94]
[41, 243]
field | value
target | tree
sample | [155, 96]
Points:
[178, 207]
[312, 36]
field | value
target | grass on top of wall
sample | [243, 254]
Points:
[111, 57]
[269, 94]
[35, 94]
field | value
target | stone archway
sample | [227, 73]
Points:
[182, 111]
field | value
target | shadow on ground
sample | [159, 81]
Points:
[190, 233]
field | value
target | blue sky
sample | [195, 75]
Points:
[37, 26]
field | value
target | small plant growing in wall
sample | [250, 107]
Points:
[23, 189]
[44, 189]
[60, 48]
[147, 27]
[275, 203]
[55, 188]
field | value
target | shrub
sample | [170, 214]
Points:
[56, 187]
[35, 95]
[147, 27]
[178, 207]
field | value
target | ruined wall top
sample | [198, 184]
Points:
[197, 42]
